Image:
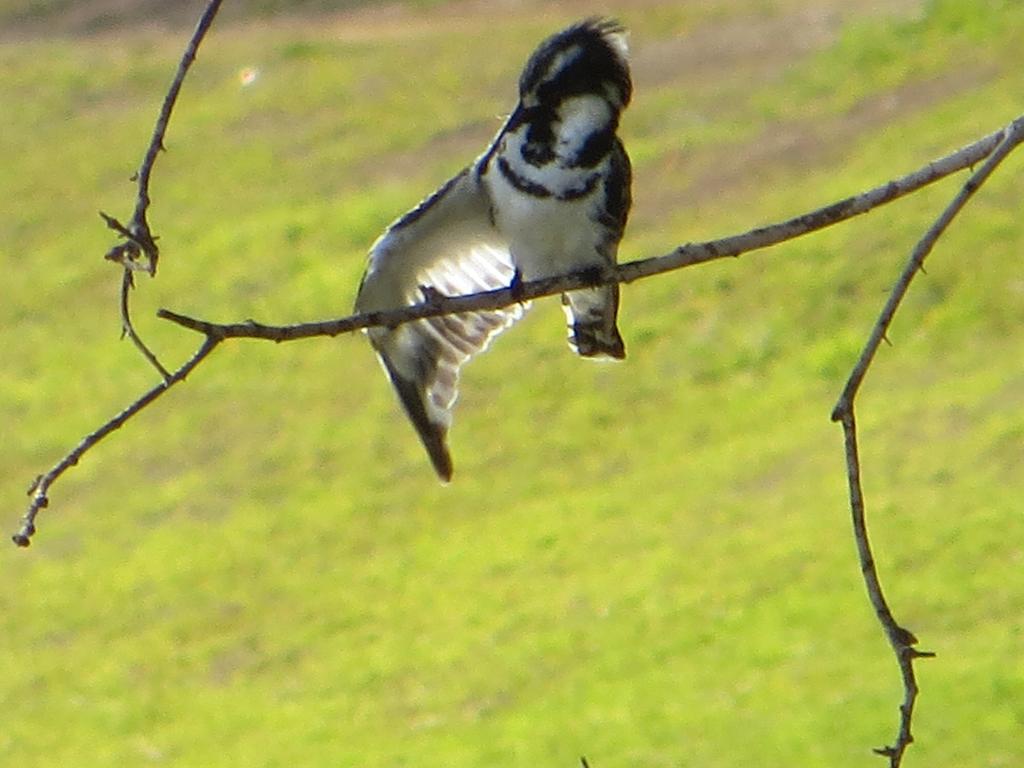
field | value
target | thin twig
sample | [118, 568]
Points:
[138, 240]
[901, 639]
[995, 147]
[39, 489]
[137, 231]
[684, 256]
[1008, 139]
[127, 329]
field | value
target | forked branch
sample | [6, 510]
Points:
[683, 256]
[139, 240]
[39, 489]
[687, 255]
[138, 252]
[1006, 141]
[902, 640]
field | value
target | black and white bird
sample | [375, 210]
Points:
[549, 196]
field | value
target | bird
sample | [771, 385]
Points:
[550, 195]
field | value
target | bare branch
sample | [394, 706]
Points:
[137, 231]
[901, 639]
[683, 256]
[139, 241]
[40, 487]
[138, 251]
[127, 329]
[1007, 140]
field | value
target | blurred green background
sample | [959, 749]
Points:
[649, 564]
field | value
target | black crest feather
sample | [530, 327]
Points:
[588, 57]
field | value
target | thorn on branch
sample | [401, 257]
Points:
[127, 255]
[116, 225]
[905, 638]
[841, 411]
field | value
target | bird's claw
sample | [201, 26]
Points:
[516, 286]
[431, 295]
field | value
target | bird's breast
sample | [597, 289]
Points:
[548, 215]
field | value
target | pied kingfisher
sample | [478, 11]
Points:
[549, 196]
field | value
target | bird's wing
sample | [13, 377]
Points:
[447, 243]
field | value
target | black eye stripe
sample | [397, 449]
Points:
[556, 148]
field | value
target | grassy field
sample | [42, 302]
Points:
[650, 563]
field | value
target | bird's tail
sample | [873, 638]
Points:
[432, 432]
[592, 314]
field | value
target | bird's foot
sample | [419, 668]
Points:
[431, 295]
[594, 276]
[516, 286]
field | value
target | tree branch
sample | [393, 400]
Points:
[683, 256]
[40, 487]
[128, 329]
[1006, 141]
[139, 241]
[901, 639]
[138, 252]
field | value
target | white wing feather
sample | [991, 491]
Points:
[450, 244]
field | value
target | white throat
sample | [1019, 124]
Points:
[579, 117]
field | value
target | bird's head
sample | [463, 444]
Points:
[589, 58]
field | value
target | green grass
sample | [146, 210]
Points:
[648, 563]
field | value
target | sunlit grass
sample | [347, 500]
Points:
[646, 563]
